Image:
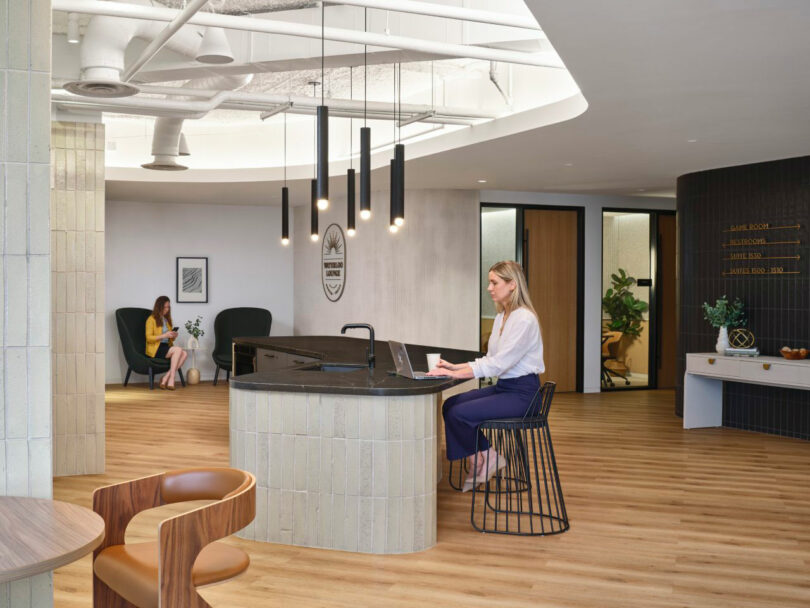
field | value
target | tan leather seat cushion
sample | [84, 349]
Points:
[132, 570]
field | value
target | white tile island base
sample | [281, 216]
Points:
[348, 472]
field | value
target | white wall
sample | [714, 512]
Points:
[247, 266]
[593, 205]
[418, 286]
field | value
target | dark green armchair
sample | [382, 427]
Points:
[234, 323]
[132, 331]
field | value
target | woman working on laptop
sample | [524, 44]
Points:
[515, 356]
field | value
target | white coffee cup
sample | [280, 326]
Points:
[433, 360]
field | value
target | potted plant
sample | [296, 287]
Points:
[195, 332]
[625, 310]
[722, 315]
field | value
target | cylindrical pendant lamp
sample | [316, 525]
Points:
[365, 173]
[399, 163]
[323, 157]
[392, 226]
[350, 225]
[313, 232]
[285, 216]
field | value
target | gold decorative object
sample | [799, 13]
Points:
[741, 338]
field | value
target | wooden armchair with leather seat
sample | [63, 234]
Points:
[167, 572]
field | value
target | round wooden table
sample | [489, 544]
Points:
[38, 535]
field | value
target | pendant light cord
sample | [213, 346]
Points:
[351, 122]
[323, 21]
[365, 69]
[285, 149]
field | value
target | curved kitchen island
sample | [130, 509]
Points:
[344, 459]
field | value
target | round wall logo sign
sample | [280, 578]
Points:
[333, 262]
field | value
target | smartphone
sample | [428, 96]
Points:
[175, 328]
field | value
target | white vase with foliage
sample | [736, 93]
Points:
[722, 315]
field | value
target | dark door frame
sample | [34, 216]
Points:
[654, 347]
[519, 258]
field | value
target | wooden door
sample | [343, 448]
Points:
[667, 320]
[550, 260]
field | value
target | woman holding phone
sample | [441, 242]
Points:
[160, 336]
[514, 355]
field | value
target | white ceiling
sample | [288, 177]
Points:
[732, 75]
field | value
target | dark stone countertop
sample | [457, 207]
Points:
[338, 349]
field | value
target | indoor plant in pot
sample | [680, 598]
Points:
[722, 315]
[195, 332]
[624, 308]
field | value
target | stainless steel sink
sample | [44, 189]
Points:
[334, 367]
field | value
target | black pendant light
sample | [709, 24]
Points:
[399, 168]
[313, 231]
[392, 226]
[323, 134]
[350, 226]
[365, 139]
[285, 196]
[399, 162]
[394, 188]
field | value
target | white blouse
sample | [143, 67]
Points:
[517, 352]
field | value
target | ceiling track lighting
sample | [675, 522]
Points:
[73, 28]
[313, 232]
[323, 133]
[365, 139]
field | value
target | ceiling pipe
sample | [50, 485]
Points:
[449, 12]
[196, 110]
[162, 38]
[268, 26]
[303, 102]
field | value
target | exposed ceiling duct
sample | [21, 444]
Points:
[103, 73]
[168, 141]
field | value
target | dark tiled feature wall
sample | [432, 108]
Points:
[777, 306]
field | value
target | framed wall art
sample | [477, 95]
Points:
[192, 280]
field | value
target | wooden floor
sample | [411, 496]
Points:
[659, 516]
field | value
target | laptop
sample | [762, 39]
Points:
[403, 363]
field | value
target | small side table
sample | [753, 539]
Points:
[38, 535]
[192, 373]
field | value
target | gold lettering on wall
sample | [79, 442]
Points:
[759, 256]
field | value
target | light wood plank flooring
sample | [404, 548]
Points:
[659, 516]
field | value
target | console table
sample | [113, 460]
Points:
[706, 372]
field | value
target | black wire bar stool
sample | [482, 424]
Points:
[524, 497]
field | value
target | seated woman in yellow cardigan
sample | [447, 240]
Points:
[160, 337]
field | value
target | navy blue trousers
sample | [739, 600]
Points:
[463, 413]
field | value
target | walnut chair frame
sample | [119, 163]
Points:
[181, 538]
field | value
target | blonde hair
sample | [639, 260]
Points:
[511, 271]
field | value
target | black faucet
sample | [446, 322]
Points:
[370, 339]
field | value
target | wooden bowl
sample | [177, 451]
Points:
[792, 355]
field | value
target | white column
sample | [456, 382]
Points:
[25, 385]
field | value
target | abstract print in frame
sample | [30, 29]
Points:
[192, 280]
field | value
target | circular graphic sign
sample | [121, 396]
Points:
[333, 262]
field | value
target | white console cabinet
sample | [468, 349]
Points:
[705, 373]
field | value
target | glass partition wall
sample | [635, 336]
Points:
[627, 279]
[499, 230]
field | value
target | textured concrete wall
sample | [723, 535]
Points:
[25, 385]
[77, 275]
